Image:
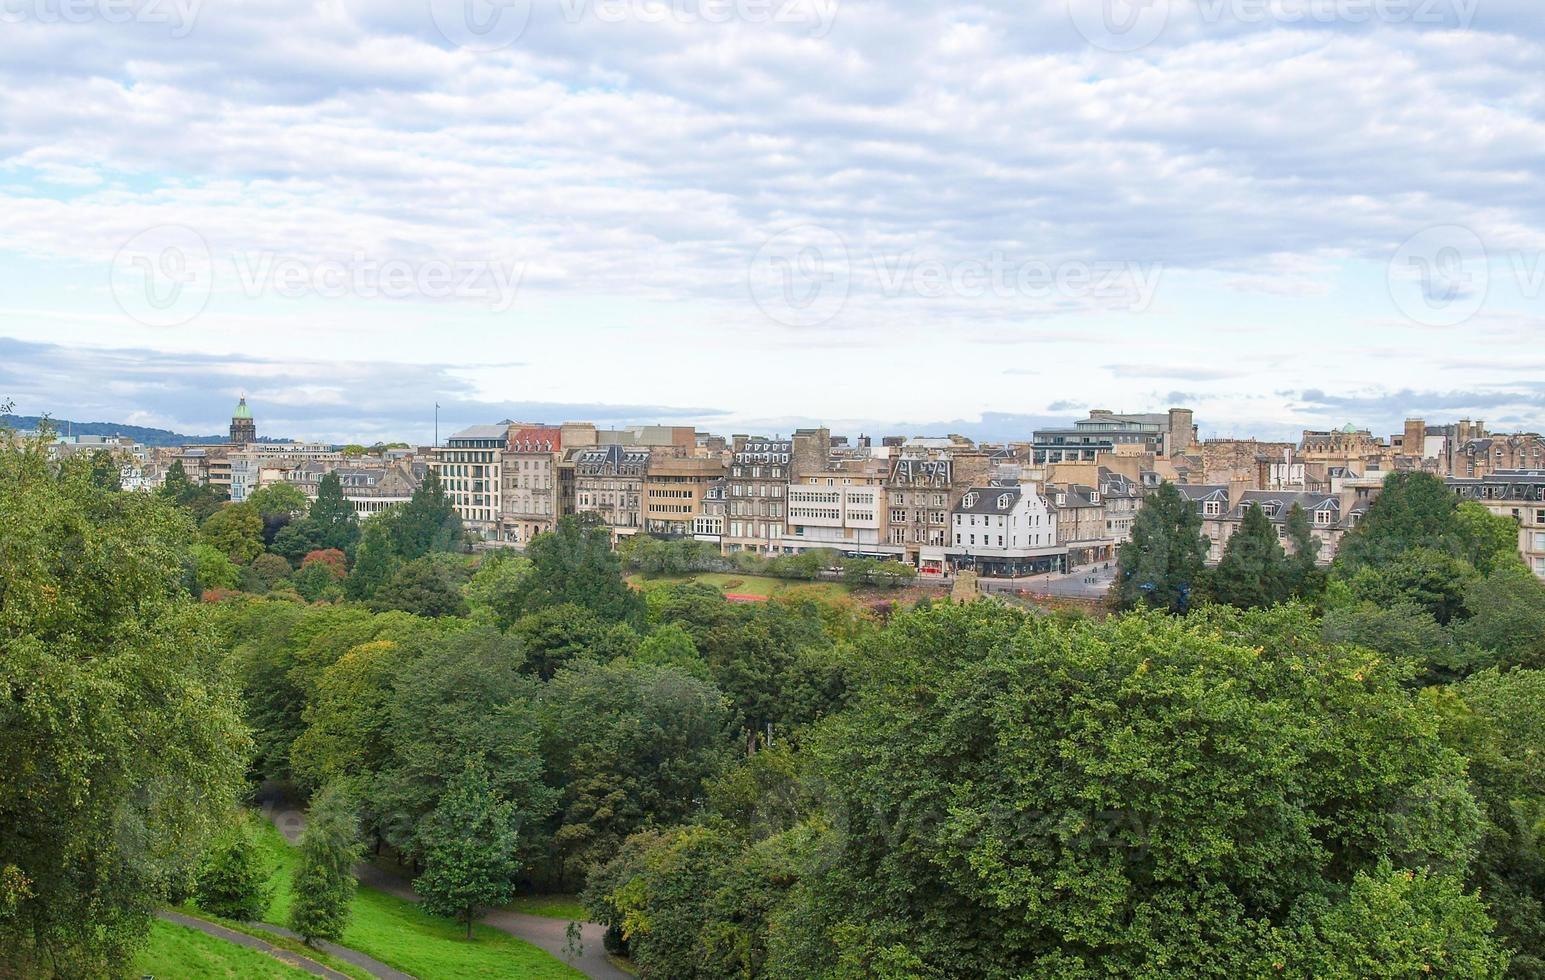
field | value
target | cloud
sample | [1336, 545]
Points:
[357, 401]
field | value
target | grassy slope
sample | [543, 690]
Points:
[399, 934]
[565, 907]
[746, 584]
[177, 951]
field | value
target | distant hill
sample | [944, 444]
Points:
[139, 433]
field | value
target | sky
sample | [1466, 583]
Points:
[751, 215]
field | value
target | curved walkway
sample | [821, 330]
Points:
[371, 966]
[284, 956]
[548, 935]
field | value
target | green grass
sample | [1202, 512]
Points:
[177, 951]
[565, 907]
[399, 934]
[745, 584]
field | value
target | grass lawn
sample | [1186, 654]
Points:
[565, 907]
[177, 951]
[745, 584]
[398, 933]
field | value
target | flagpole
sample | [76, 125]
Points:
[437, 425]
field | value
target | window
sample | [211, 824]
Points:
[1210, 508]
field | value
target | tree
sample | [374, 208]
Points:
[672, 646]
[1498, 720]
[556, 636]
[1412, 510]
[321, 575]
[575, 564]
[324, 883]
[1489, 541]
[296, 539]
[421, 588]
[1506, 627]
[334, 517]
[627, 743]
[1017, 796]
[269, 570]
[470, 849]
[1437, 581]
[491, 592]
[278, 504]
[104, 471]
[232, 881]
[460, 697]
[1162, 565]
[211, 569]
[237, 530]
[1253, 572]
[374, 563]
[123, 746]
[427, 522]
[1304, 578]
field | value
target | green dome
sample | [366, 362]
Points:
[1349, 428]
[242, 411]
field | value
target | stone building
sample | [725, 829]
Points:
[1171, 433]
[1519, 494]
[609, 482]
[243, 428]
[840, 505]
[922, 487]
[529, 504]
[756, 494]
[1081, 527]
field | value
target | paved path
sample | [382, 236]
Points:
[371, 966]
[550, 935]
[252, 942]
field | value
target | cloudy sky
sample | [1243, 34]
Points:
[762, 213]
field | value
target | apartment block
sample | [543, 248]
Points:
[470, 469]
[1004, 532]
[674, 491]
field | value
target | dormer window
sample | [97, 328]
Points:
[968, 501]
[1005, 500]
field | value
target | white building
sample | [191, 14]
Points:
[838, 511]
[1004, 531]
[470, 470]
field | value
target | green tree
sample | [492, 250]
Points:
[1253, 571]
[426, 523]
[460, 697]
[1437, 581]
[212, 569]
[490, 593]
[237, 530]
[1162, 565]
[1506, 627]
[232, 880]
[321, 575]
[324, 885]
[334, 517]
[374, 563]
[558, 635]
[296, 539]
[104, 471]
[1489, 541]
[1304, 578]
[269, 570]
[422, 588]
[627, 743]
[279, 504]
[470, 849]
[123, 746]
[1498, 720]
[575, 564]
[672, 646]
[1412, 510]
[1015, 796]
[345, 720]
